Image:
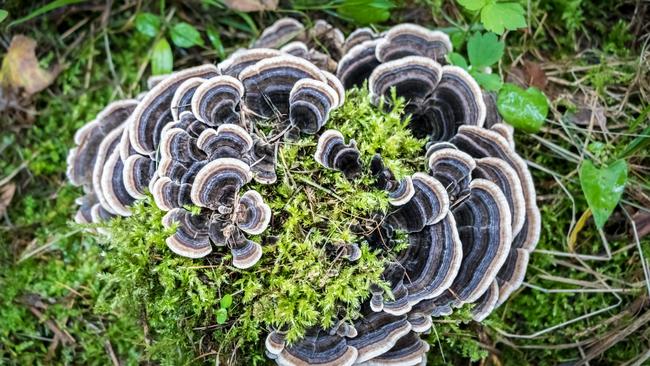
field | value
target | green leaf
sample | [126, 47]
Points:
[147, 24]
[215, 40]
[491, 82]
[485, 49]
[3, 15]
[497, 17]
[473, 5]
[162, 59]
[603, 188]
[222, 316]
[185, 35]
[366, 11]
[226, 301]
[457, 59]
[524, 109]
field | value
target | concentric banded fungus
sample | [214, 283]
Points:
[440, 98]
[216, 101]
[153, 112]
[318, 347]
[408, 350]
[269, 82]
[414, 78]
[309, 104]
[201, 135]
[413, 40]
[217, 184]
[357, 64]
[253, 215]
[280, 33]
[228, 141]
[428, 205]
[333, 153]
[484, 227]
[81, 159]
[481, 143]
[191, 237]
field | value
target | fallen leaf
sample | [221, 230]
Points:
[251, 5]
[20, 69]
[535, 75]
[6, 195]
[642, 223]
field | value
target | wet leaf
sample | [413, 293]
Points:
[251, 5]
[148, 24]
[185, 35]
[20, 69]
[523, 109]
[603, 188]
[6, 195]
[162, 59]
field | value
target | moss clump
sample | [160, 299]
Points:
[300, 282]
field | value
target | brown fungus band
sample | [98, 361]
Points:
[204, 142]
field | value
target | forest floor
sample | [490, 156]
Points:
[586, 294]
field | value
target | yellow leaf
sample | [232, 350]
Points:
[20, 69]
[251, 5]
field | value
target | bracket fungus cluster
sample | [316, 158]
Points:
[204, 142]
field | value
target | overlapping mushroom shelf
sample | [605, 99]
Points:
[200, 137]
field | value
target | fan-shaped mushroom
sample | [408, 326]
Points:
[153, 112]
[228, 141]
[357, 64]
[217, 184]
[216, 100]
[268, 83]
[191, 237]
[253, 215]
[309, 104]
[318, 347]
[413, 78]
[428, 205]
[279, 33]
[333, 153]
[413, 40]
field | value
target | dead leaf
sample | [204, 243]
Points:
[528, 74]
[251, 5]
[642, 223]
[20, 69]
[6, 195]
[535, 75]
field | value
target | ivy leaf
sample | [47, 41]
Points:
[185, 35]
[366, 11]
[473, 5]
[524, 109]
[603, 188]
[484, 50]
[491, 82]
[222, 316]
[226, 301]
[497, 17]
[147, 24]
[458, 60]
[162, 59]
[215, 40]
